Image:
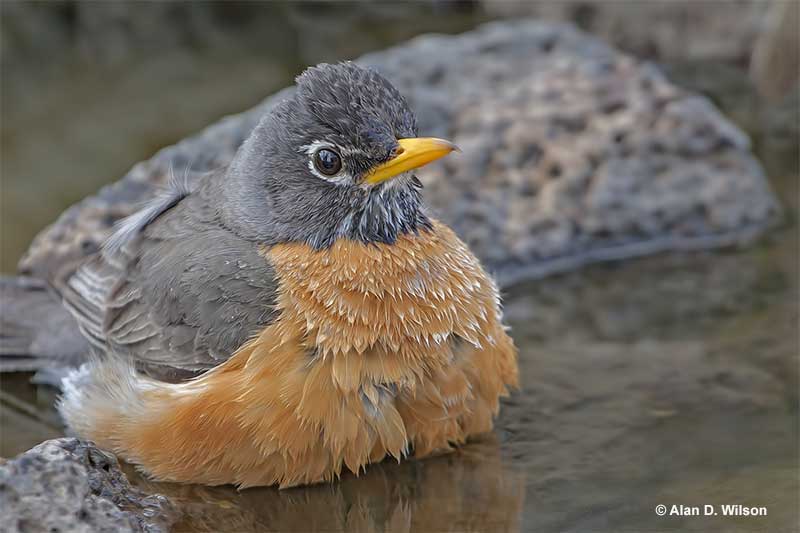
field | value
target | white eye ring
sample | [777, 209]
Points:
[312, 150]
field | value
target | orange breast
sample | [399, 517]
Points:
[378, 350]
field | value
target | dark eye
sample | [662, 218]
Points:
[327, 161]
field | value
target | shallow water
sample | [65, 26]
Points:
[667, 380]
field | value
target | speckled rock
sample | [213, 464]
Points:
[572, 153]
[70, 485]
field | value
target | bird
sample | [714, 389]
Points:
[296, 314]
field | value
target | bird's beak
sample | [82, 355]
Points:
[413, 153]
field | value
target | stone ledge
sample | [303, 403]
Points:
[71, 485]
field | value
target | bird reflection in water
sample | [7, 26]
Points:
[472, 489]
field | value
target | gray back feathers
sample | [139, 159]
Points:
[181, 285]
[127, 228]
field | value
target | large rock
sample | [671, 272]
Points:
[70, 485]
[573, 152]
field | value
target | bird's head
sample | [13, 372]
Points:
[334, 160]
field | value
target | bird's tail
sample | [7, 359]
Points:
[36, 332]
[259, 418]
[174, 431]
[101, 399]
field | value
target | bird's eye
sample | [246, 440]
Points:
[327, 162]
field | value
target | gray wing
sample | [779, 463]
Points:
[174, 290]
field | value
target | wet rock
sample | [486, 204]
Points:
[572, 153]
[71, 485]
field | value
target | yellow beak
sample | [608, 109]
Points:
[413, 153]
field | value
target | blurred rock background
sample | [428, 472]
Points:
[90, 88]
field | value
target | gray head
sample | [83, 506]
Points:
[333, 161]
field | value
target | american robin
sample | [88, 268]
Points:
[294, 313]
